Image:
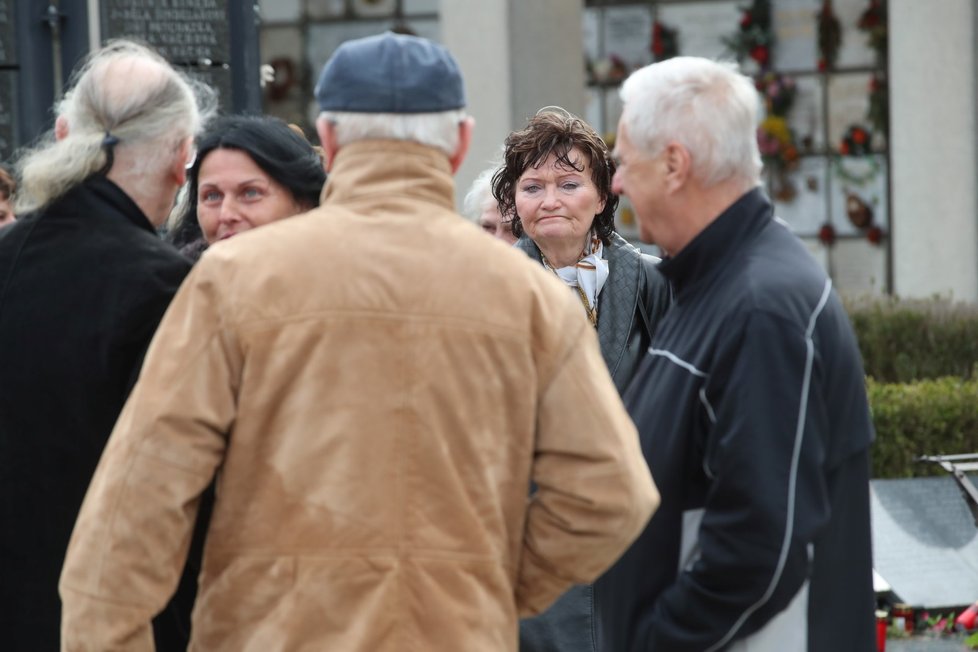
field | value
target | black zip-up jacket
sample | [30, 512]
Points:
[752, 412]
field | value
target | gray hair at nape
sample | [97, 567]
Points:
[707, 106]
[479, 194]
[129, 91]
[438, 130]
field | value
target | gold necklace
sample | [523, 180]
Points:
[592, 313]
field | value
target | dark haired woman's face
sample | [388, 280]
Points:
[235, 195]
[556, 202]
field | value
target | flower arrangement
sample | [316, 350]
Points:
[873, 22]
[754, 37]
[826, 234]
[857, 141]
[778, 92]
[878, 113]
[829, 36]
[665, 41]
[777, 143]
[775, 138]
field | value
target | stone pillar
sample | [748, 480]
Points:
[516, 57]
[934, 148]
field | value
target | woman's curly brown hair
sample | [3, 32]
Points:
[555, 131]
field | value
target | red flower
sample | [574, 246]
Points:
[844, 148]
[760, 53]
[822, 65]
[658, 48]
[859, 136]
[746, 20]
[874, 235]
[827, 234]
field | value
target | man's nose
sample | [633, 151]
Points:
[616, 183]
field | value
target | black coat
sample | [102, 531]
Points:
[83, 286]
[634, 299]
[752, 412]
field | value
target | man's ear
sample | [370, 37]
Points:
[465, 128]
[327, 136]
[60, 128]
[678, 164]
[182, 161]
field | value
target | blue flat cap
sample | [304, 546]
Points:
[390, 73]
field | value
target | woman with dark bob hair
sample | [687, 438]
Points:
[555, 187]
[249, 171]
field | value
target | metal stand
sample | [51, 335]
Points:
[958, 466]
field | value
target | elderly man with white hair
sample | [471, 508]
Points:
[84, 282]
[750, 403]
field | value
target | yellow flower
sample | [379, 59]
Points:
[777, 127]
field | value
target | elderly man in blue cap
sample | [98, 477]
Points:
[375, 385]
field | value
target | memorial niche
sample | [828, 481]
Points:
[183, 31]
[195, 35]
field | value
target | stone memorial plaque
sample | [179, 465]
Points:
[8, 124]
[795, 31]
[184, 31]
[8, 45]
[806, 210]
[628, 36]
[702, 25]
[925, 544]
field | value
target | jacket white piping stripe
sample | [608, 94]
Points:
[793, 478]
[696, 372]
[682, 363]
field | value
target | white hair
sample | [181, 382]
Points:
[707, 106]
[131, 93]
[438, 130]
[479, 194]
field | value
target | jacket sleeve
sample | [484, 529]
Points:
[131, 538]
[594, 490]
[767, 496]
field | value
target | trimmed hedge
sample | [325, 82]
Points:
[904, 340]
[928, 417]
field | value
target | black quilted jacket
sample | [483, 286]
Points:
[630, 305]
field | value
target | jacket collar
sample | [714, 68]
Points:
[617, 301]
[372, 172]
[720, 242]
[96, 194]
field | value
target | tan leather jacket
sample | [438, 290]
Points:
[376, 384]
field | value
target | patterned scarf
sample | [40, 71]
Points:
[588, 276]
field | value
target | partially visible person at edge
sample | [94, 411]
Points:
[7, 188]
[555, 186]
[84, 281]
[249, 171]
[751, 403]
[482, 208]
[321, 365]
